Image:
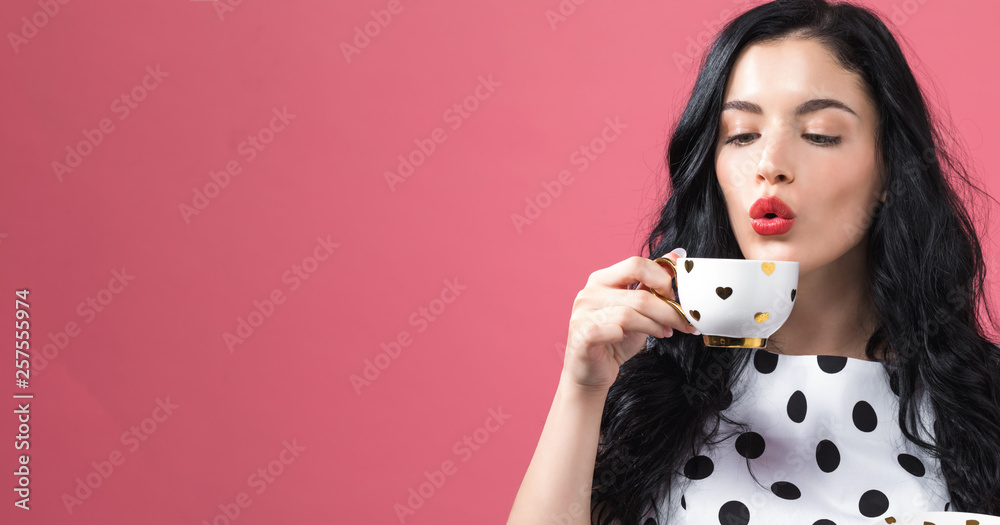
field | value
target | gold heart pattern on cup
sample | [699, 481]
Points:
[695, 314]
[688, 265]
[760, 317]
[793, 294]
[768, 267]
[724, 293]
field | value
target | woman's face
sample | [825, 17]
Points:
[797, 126]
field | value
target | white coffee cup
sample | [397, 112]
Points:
[735, 303]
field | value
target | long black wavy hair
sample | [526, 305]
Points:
[667, 399]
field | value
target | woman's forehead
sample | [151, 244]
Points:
[781, 76]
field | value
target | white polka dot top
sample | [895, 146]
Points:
[824, 444]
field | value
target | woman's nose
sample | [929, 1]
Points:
[774, 166]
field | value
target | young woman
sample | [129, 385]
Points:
[880, 394]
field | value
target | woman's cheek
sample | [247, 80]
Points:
[732, 182]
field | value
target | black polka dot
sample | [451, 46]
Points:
[727, 400]
[911, 464]
[734, 513]
[699, 467]
[873, 504]
[864, 416]
[831, 364]
[684, 504]
[785, 490]
[824, 522]
[765, 362]
[827, 456]
[750, 445]
[650, 521]
[797, 406]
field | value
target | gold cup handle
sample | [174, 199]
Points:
[674, 304]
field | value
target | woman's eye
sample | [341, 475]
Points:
[822, 140]
[741, 139]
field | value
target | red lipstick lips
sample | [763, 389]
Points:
[771, 216]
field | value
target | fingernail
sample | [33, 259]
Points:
[681, 252]
[696, 332]
[667, 332]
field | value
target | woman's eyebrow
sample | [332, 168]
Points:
[810, 106]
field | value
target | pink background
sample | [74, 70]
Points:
[392, 249]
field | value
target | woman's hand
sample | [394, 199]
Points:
[609, 322]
